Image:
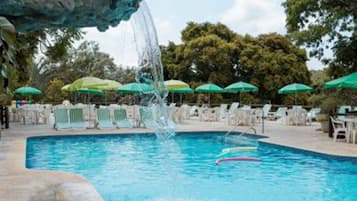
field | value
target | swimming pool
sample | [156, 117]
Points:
[142, 168]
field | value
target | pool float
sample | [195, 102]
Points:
[236, 149]
[237, 159]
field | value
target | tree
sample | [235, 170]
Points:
[86, 60]
[7, 44]
[54, 94]
[325, 24]
[270, 62]
[213, 53]
[47, 44]
[319, 77]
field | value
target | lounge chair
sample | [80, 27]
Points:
[146, 117]
[121, 119]
[61, 119]
[76, 119]
[103, 118]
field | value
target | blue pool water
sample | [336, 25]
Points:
[142, 168]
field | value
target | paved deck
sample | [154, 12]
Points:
[49, 185]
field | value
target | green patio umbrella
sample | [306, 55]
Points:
[135, 88]
[109, 85]
[209, 88]
[176, 84]
[348, 81]
[294, 89]
[241, 87]
[181, 91]
[87, 82]
[66, 87]
[186, 90]
[27, 91]
[90, 91]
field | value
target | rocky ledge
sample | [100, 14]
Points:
[29, 15]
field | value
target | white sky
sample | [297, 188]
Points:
[252, 17]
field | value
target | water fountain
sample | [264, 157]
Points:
[150, 68]
[28, 15]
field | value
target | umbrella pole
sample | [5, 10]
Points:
[209, 100]
[240, 98]
[172, 97]
[181, 99]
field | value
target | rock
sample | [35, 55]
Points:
[28, 15]
[68, 192]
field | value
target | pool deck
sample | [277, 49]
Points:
[20, 184]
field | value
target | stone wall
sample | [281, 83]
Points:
[29, 15]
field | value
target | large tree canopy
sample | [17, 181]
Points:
[86, 60]
[326, 24]
[213, 53]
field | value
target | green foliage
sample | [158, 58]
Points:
[325, 24]
[54, 94]
[319, 77]
[213, 53]
[50, 44]
[86, 60]
[7, 44]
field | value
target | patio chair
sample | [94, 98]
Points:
[297, 107]
[264, 111]
[339, 129]
[311, 115]
[61, 119]
[223, 110]
[121, 119]
[186, 112]
[194, 111]
[278, 114]
[146, 117]
[76, 119]
[103, 118]
[351, 126]
[231, 115]
[342, 111]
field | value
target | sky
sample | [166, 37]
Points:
[252, 17]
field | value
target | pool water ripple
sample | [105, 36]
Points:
[142, 168]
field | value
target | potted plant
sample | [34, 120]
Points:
[328, 103]
[328, 108]
[324, 121]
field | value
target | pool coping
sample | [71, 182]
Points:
[261, 139]
[19, 147]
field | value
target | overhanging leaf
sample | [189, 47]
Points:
[7, 31]
[10, 56]
[4, 71]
